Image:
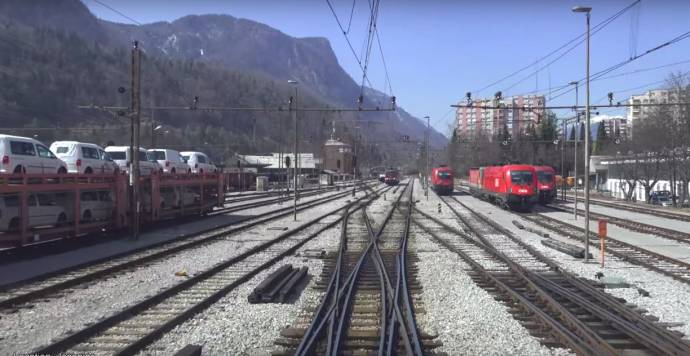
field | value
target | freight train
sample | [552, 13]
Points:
[442, 180]
[546, 184]
[510, 186]
[41, 207]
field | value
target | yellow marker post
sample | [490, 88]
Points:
[602, 236]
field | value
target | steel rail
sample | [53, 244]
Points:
[666, 233]
[324, 314]
[627, 320]
[97, 328]
[615, 247]
[168, 248]
[637, 209]
[560, 331]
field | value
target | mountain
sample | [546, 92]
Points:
[242, 63]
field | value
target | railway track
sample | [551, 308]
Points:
[638, 209]
[367, 306]
[637, 226]
[58, 283]
[676, 269]
[134, 328]
[555, 306]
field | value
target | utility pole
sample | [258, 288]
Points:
[426, 186]
[577, 138]
[563, 175]
[355, 162]
[296, 164]
[135, 115]
[587, 11]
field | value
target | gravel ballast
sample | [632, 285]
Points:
[668, 298]
[28, 329]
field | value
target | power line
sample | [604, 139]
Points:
[645, 69]
[347, 39]
[580, 37]
[610, 69]
[595, 30]
[118, 12]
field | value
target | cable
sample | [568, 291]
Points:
[352, 12]
[352, 49]
[594, 31]
[118, 12]
[603, 72]
[645, 69]
[557, 49]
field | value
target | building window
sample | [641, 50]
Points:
[337, 163]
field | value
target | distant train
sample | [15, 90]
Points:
[442, 180]
[392, 177]
[510, 186]
[546, 184]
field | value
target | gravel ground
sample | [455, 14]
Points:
[467, 319]
[232, 326]
[669, 299]
[30, 328]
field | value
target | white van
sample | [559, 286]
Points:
[198, 162]
[43, 211]
[169, 161]
[122, 157]
[84, 158]
[26, 155]
[96, 205]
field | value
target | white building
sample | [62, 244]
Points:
[658, 96]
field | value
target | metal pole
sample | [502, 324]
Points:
[587, 133]
[563, 175]
[136, 111]
[295, 165]
[355, 161]
[426, 176]
[577, 138]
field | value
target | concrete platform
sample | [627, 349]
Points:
[678, 225]
[22, 270]
[653, 243]
[650, 242]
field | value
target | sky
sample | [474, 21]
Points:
[437, 50]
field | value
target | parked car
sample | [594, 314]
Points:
[178, 197]
[84, 158]
[198, 162]
[96, 205]
[661, 199]
[26, 155]
[121, 155]
[169, 161]
[43, 211]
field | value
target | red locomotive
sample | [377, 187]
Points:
[511, 186]
[392, 177]
[546, 184]
[442, 180]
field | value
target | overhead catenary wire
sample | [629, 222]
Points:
[349, 43]
[580, 37]
[594, 31]
[118, 12]
[601, 73]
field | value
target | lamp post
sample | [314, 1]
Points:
[577, 138]
[356, 162]
[295, 165]
[587, 11]
[426, 175]
[153, 133]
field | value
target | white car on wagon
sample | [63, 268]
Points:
[26, 155]
[121, 155]
[169, 161]
[84, 158]
[43, 211]
[198, 162]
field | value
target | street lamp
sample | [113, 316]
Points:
[153, 134]
[295, 165]
[426, 176]
[587, 11]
